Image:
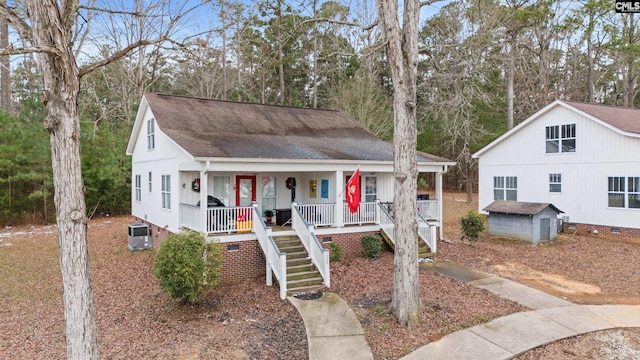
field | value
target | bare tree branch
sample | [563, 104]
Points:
[120, 54]
[16, 22]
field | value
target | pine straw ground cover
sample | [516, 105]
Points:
[249, 321]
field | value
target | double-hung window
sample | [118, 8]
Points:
[560, 138]
[166, 192]
[370, 188]
[150, 177]
[505, 188]
[222, 189]
[555, 183]
[269, 193]
[138, 188]
[624, 192]
[151, 134]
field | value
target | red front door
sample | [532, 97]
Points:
[245, 190]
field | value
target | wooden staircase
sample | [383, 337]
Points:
[423, 249]
[302, 274]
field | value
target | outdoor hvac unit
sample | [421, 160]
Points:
[139, 237]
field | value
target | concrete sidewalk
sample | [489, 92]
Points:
[552, 319]
[333, 330]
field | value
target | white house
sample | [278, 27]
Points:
[582, 158]
[252, 158]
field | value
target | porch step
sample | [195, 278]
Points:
[424, 250]
[302, 274]
[295, 286]
[304, 289]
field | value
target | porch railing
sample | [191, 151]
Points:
[276, 260]
[318, 214]
[366, 214]
[219, 219]
[428, 209]
[318, 254]
[427, 232]
[386, 222]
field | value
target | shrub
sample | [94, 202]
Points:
[336, 252]
[371, 245]
[472, 225]
[187, 266]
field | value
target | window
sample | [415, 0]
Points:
[151, 137]
[138, 188]
[560, 139]
[616, 191]
[555, 183]
[370, 188]
[269, 193]
[166, 192]
[633, 194]
[150, 181]
[505, 188]
[222, 188]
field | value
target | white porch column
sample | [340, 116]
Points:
[203, 202]
[440, 201]
[339, 197]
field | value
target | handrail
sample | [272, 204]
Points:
[318, 254]
[427, 232]
[319, 214]
[386, 222]
[276, 260]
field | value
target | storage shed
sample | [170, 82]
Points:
[531, 222]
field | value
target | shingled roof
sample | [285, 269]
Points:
[623, 118]
[518, 207]
[212, 128]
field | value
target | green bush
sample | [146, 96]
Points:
[188, 266]
[371, 245]
[472, 225]
[336, 252]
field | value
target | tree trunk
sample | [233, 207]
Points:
[5, 72]
[402, 56]
[510, 76]
[61, 85]
[280, 54]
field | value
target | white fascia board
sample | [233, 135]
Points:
[598, 121]
[298, 165]
[517, 128]
[137, 124]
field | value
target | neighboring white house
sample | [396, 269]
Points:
[582, 158]
[255, 157]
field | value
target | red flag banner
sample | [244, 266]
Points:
[353, 191]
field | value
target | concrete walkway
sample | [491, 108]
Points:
[550, 320]
[333, 330]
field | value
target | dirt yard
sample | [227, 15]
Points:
[249, 321]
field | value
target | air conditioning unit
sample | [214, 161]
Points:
[139, 237]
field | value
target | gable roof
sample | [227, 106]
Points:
[623, 118]
[223, 129]
[519, 207]
[625, 121]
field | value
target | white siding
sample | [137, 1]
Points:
[600, 153]
[163, 160]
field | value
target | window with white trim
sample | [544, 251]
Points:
[151, 134]
[624, 192]
[166, 192]
[269, 193]
[616, 191]
[370, 188]
[138, 188]
[555, 183]
[505, 188]
[150, 177]
[560, 138]
[222, 188]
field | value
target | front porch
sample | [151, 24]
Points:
[239, 219]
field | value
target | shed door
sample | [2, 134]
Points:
[545, 229]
